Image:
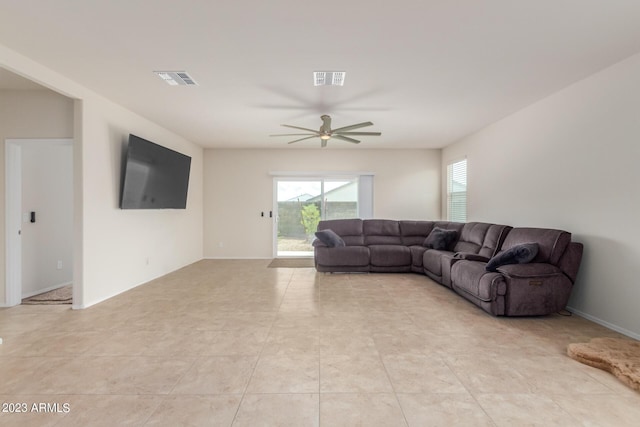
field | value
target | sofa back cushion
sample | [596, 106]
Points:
[551, 243]
[471, 237]
[413, 233]
[381, 232]
[493, 240]
[481, 238]
[351, 230]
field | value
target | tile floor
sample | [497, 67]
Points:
[234, 343]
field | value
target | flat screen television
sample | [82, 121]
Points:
[154, 177]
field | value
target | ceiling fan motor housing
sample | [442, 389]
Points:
[325, 129]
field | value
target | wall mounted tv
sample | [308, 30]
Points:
[154, 177]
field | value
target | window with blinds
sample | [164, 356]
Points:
[457, 191]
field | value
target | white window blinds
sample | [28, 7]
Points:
[457, 191]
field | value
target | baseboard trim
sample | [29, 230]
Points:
[238, 258]
[41, 291]
[115, 294]
[604, 323]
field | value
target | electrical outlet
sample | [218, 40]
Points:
[59, 266]
[221, 245]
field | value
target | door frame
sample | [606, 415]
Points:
[365, 192]
[276, 218]
[13, 212]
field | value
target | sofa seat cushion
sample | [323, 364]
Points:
[432, 260]
[345, 256]
[529, 270]
[472, 278]
[390, 255]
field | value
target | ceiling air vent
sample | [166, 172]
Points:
[176, 78]
[328, 78]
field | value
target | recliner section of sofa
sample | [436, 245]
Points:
[388, 246]
[386, 250]
[542, 286]
[351, 258]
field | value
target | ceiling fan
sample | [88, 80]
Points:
[326, 133]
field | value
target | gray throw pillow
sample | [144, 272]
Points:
[330, 238]
[520, 254]
[441, 239]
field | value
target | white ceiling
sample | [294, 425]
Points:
[425, 72]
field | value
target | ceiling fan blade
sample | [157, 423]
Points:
[302, 139]
[293, 134]
[346, 128]
[323, 143]
[345, 138]
[360, 133]
[297, 127]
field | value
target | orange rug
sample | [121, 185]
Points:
[621, 357]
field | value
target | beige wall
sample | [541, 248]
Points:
[570, 162]
[112, 246]
[239, 185]
[29, 114]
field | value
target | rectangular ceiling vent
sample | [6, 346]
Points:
[328, 78]
[176, 78]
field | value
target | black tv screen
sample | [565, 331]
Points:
[154, 177]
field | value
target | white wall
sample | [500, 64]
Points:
[47, 190]
[111, 246]
[239, 185]
[570, 161]
[29, 114]
[118, 243]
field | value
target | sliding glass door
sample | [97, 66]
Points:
[302, 202]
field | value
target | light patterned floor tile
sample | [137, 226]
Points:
[232, 342]
[360, 409]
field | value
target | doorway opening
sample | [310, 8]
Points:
[39, 216]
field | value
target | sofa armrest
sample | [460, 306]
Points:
[317, 243]
[531, 270]
[570, 260]
[470, 256]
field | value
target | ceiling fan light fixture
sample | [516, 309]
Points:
[329, 78]
[325, 137]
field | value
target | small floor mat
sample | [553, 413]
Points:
[292, 263]
[63, 295]
[621, 357]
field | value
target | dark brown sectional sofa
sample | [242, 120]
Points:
[539, 287]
